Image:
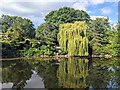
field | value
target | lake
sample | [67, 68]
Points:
[61, 73]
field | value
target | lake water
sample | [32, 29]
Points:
[62, 73]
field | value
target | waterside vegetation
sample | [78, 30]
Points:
[65, 32]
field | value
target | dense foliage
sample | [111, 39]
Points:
[45, 34]
[66, 15]
[97, 35]
[20, 38]
[16, 32]
[72, 38]
[17, 28]
[113, 47]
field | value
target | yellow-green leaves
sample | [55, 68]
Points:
[72, 73]
[72, 38]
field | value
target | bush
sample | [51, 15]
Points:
[8, 50]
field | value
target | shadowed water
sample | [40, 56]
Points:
[63, 73]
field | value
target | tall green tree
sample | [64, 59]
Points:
[45, 36]
[113, 47]
[72, 38]
[65, 15]
[98, 38]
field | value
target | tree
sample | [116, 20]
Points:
[65, 15]
[15, 31]
[5, 22]
[17, 27]
[97, 36]
[45, 34]
[113, 47]
[72, 38]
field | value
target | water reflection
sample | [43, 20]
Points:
[65, 73]
[103, 71]
[16, 72]
[72, 73]
[47, 70]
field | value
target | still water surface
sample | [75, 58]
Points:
[63, 73]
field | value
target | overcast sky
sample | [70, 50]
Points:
[37, 9]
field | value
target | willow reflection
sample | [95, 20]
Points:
[65, 73]
[72, 73]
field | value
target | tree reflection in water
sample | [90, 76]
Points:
[66, 73]
[16, 72]
[47, 70]
[72, 73]
[103, 74]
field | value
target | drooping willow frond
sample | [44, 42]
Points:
[72, 38]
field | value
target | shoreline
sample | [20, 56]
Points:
[59, 57]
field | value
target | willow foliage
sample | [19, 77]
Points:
[72, 38]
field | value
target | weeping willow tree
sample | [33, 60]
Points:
[72, 38]
[75, 77]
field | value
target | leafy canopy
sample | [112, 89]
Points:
[66, 15]
[17, 27]
[96, 33]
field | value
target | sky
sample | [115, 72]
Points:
[36, 10]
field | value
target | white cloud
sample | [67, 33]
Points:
[37, 9]
[110, 20]
[113, 21]
[83, 4]
[94, 17]
[90, 12]
[106, 10]
[95, 2]
[32, 7]
[80, 5]
[43, 1]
